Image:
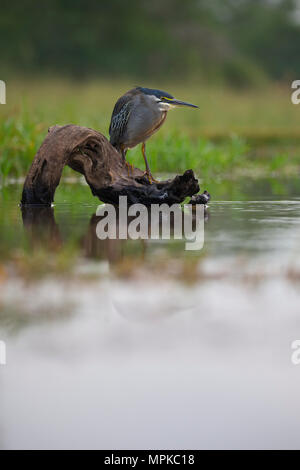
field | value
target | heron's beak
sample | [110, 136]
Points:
[174, 102]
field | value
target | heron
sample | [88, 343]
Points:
[136, 116]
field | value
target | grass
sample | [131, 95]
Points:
[233, 133]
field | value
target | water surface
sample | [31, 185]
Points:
[141, 344]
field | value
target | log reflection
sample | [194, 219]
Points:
[44, 232]
[41, 227]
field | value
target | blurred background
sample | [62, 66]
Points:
[238, 42]
[70, 61]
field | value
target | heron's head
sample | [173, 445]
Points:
[164, 100]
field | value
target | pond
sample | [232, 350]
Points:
[142, 344]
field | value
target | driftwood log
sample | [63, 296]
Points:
[90, 153]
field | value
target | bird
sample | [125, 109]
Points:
[136, 116]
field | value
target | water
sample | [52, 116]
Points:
[141, 344]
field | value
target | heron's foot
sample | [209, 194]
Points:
[151, 179]
[130, 167]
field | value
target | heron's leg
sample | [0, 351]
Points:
[148, 172]
[123, 151]
[129, 166]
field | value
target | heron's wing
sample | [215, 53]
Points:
[120, 118]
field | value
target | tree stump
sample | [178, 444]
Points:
[91, 154]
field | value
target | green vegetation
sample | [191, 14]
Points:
[221, 41]
[234, 133]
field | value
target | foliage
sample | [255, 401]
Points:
[239, 42]
[233, 133]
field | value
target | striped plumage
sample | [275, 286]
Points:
[119, 120]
